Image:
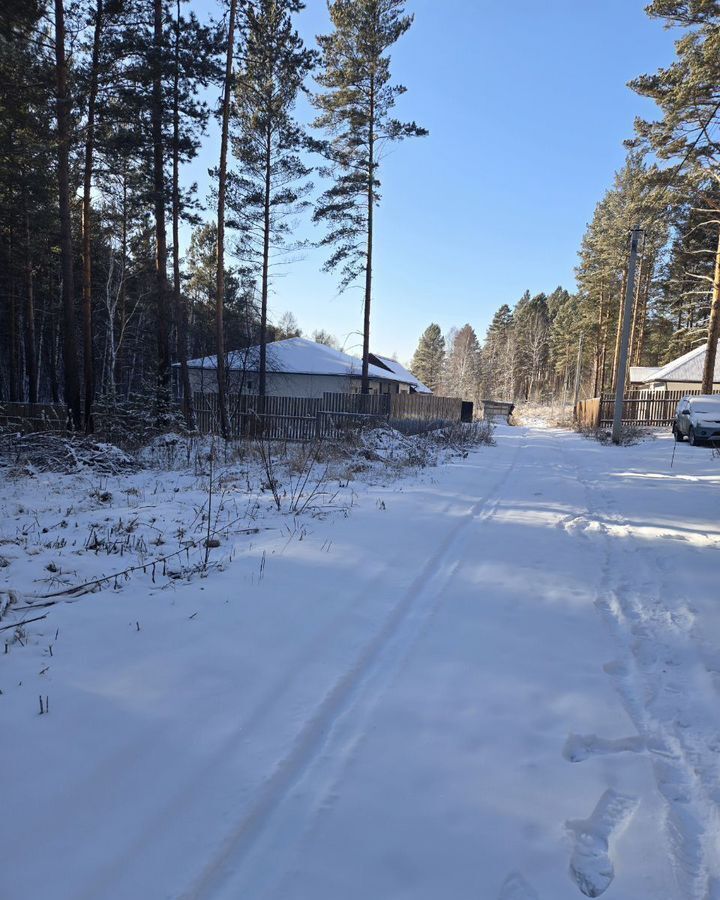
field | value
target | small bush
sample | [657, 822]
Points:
[465, 435]
[629, 435]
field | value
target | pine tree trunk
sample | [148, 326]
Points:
[163, 323]
[365, 384]
[262, 387]
[599, 346]
[637, 301]
[618, 335]
[713, 330]
[15, 393]
[69, 338]
[88, 369]
[222, 184]
[122, 298]
[181, 313]
[30, 354]
[603, 354]
[640, 325]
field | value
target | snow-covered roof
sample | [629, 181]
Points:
[641, 374]
[688, 367]
[394, 366]
[299, 356]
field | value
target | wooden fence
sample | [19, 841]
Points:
[276, 418]
[494, 410]
[640, 408]
[301, 418]
[34, 416]
[587, 413]
[640, 411]
[425, 408]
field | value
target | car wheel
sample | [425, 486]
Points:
[677, 434]
[692, 440]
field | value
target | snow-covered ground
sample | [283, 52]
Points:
[497, 678]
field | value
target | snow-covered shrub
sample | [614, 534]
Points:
[629, 435]
[134, 422]
[177, 451]
[45, 452]
[465, 435]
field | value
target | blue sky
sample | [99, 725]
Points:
[527, 108]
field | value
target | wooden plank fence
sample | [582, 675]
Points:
[34, 416]
[640, 411]
[495, 410]
[587, 413]
[276, 418]
[301, 418]
[641, 408]
[425, 408]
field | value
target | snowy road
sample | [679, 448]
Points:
[498, 681]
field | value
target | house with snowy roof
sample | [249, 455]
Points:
[682, 374]
[297, 367]
[392, 365]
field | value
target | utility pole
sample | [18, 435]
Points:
[578, 369]
[635, 238]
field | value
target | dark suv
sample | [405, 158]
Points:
[698, 419]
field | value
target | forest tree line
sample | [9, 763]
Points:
[103, 104]
[670, 187]
[525, 355]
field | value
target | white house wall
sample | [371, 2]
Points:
[290, 385]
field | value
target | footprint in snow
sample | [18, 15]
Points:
[579, 747]
[591, 867]
[516, 888]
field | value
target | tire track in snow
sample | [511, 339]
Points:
[180, 802]
[144, 749]
[282, 810]
[658, 661]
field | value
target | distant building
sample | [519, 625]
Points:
[298, 367]
[682, 374]
[392, 365]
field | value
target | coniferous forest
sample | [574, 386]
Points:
[105, 103]
[670, 187]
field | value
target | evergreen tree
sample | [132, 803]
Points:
[225, 105]
[270, 184]
[28, 201]
[639, 195]
[429, 359]
[688, 95]
[531, 322]
[63, 115]
[240, 316]
[355, 112]
[498, 356]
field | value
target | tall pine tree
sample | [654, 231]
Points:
[270, 183]
[688, 94]
[355, 112]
